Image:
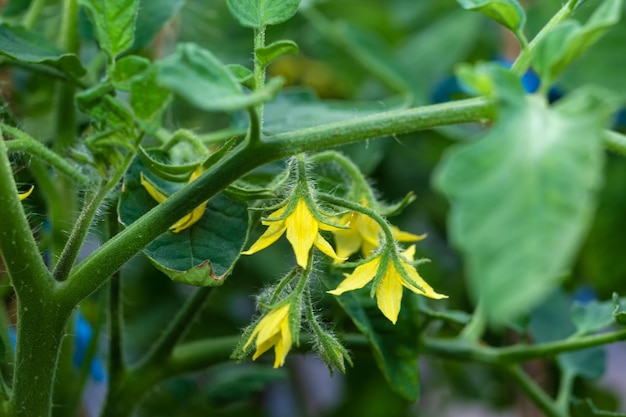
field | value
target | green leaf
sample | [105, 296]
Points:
[152, 16]
[260, 13]
[528, 185]
[98, 103]
[148, 100]
[570, 40]
[29, 47]
[244, 75]
[196, 75]
[509, 13]
[272, 51]
[394, 346]
[127, 69]
[113, 22]
[202, 255]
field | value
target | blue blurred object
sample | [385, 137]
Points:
[83, 333]
[584, 295]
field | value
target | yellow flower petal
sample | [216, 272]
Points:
[273, 330]
[154, 192]
[361, 275]
[402, 236]
[27, 193]
[302, 230]
[271, 235]
[347, 241]
[326, 249]
[415, 277]
[389, 293]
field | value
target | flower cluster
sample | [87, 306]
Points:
[355, 227]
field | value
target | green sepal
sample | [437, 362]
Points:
[201, 255]
[243, 191]
[153, 159]
[269, 53]
[509, 13]
[397, 208]
[257, 14]
[244, 75]
[196, 75]
[29, 47]
[113, 23]
[570, 40]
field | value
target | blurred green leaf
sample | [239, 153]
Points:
[30, 47]
[272, 51]
[299, 108]
[199, 77]
[552, 321]
[509, 13]
[148, 99]
[244, 75]
[113, 22]
[126, 69]
[528, 185]
[592, 316]
[203, 254]
[422, 54]
[586, 408]
[260, 13]
[570, 40]
[152, 16]
[231, 383]
[394, 346]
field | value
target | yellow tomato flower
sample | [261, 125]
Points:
[191, 218]
[365, 233]
[27, 193]
[273, 330]
[302, 229]
[389, 290]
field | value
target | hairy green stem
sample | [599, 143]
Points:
[259, 69]
[534, 392]
[475, 329]
[95, 270]
[79, 232]
[26, 143]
